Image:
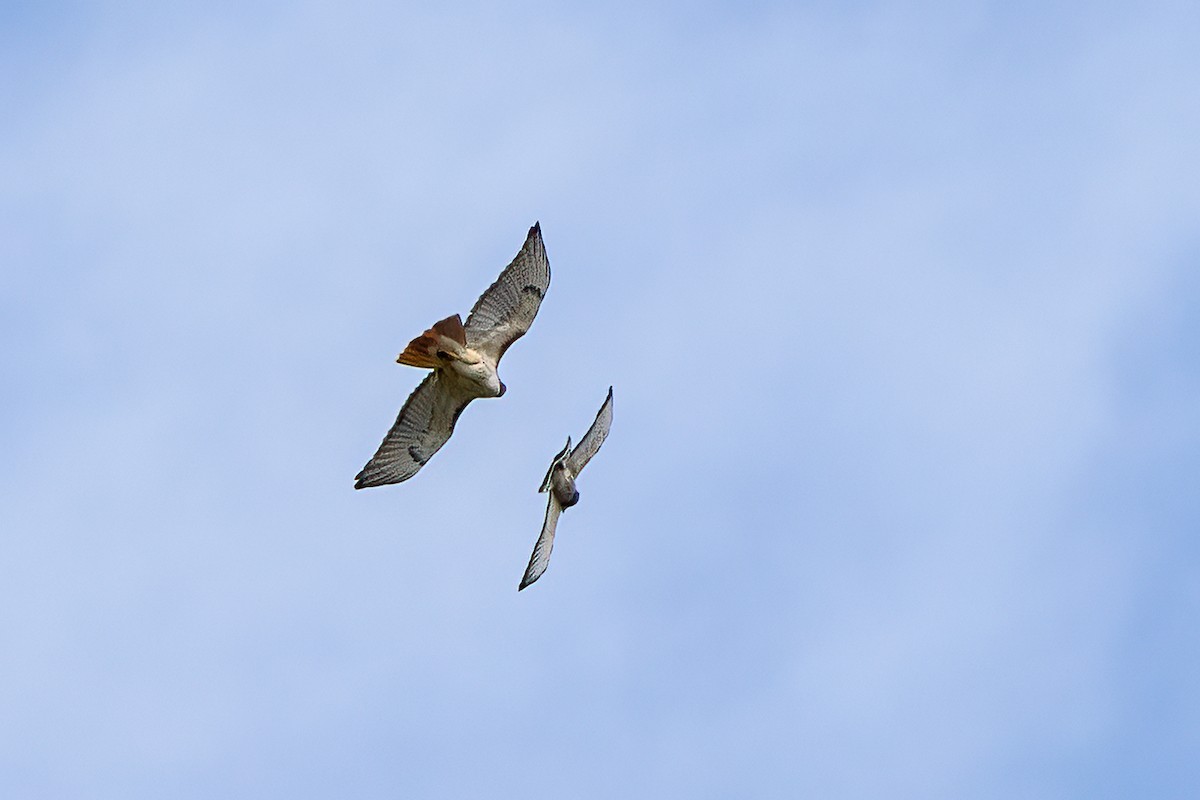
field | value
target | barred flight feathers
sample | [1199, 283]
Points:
[505, 311]
[422, 427]
[589, 445]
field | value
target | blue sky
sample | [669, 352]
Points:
[899, 303]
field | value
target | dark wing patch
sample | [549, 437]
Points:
[417, 456]
[505, 311]
[422, 427]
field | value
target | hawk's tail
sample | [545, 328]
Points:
[444, 341]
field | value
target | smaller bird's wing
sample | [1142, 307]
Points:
[505, 311]
[422, 427]
[545, 487]
[545, 543]
[589, 445]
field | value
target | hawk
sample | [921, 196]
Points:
[463, 359]
[560, 483]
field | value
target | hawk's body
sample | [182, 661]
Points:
[560, 483]
[464, 359]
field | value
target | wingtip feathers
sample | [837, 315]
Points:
[535, 237]
[527, 581]
[365, 480]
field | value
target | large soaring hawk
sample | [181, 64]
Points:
[464, 359]
[560, 483]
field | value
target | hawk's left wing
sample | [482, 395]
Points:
[589, 445]
[545, 543]
[505, 311]
[422, 427]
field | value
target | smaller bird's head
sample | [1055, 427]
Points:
[503, 389]
[574, 499]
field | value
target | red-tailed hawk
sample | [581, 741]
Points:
[560, 483]
[464, 359]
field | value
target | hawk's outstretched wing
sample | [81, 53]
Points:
[545, 487]
[422, 427]
[589, 445]
[505, 311]
[545, 543]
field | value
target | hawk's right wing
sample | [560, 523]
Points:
[589, 445]
[545, 543]
[505, 311]
[422, 427]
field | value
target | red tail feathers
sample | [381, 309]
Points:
[444, 341]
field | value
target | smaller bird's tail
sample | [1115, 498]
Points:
[444, 341]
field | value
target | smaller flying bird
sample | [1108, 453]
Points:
[560, 483]
[463, 359]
